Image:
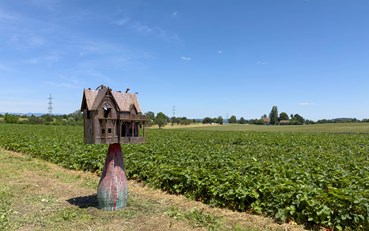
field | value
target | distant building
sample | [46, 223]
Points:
[266, 120]
[284, 122]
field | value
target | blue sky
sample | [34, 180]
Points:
[208, 58]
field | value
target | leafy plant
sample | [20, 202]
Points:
[309, 178]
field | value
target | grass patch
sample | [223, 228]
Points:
[6, 199]
[71, 214]
[197, 218]
[89, 182]
[67, 178]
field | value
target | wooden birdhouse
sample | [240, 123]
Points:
[112, 117]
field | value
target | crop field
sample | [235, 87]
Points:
[316, 128]
[313, 178]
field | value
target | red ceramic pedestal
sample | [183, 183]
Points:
[112, 192]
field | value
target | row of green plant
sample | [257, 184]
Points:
[71, 119]
[317, 179]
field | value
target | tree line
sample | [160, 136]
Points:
[161, 120]
[283, 118]
[71, 119]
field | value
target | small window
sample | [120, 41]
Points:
[106, 112]
[103, 131]
[133, 110]
[109, 130]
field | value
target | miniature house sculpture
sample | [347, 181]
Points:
[112, 117]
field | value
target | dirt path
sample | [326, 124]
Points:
[38, 195]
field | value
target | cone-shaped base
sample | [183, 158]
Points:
[112, 192]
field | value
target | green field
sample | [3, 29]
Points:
[314, 175]
[321, 128]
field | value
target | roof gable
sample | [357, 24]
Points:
[99, 98]
[92, 99]
[88, 98]
[125, 100]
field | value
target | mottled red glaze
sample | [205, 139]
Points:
[112, 191]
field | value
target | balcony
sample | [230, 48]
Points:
[132, 117]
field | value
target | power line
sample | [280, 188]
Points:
[50, 108]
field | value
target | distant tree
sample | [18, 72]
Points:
[207, 120]
[185, 121]
[297, 120]
[161, 119]
[273, 115]
[49, 118]
[260, 121]
[283, 116]
[309, 122]
[150, 118]
[174, 120]
[60, 121]
[242, 121]
[182, 121]
[150, 115]
[324, 121]
[71, 121]
[232, 120]
[77, 116]
[345, 120]
[11, 119]
[35, 120]
[219, 120]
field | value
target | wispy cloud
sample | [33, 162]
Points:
[134, 25]
[5, 68]
[50, 5]
[220, 52]
[122, 22]
[163, 34]
[262, 62]
[44, 60]
[6, 16]
[92, 48]
[24, 33]
[35, 40]
[175, 13]
[142, 28]
[62, 85]
[147, 30]
[66, 82]
[184, 58]
[305, 104]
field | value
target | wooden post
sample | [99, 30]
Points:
[112, 192]
[143, 129]
[106, 131]
[133, 128]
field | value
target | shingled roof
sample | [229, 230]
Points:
[92, 99]
[125, 100]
